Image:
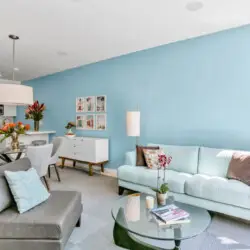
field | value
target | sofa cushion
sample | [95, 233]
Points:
[231, 192]
[27, 189]
[143, 175]
[6, 199]
[140, 158]
[53, 219]
[5, 194]
[239, 168]
[184, 158]
[148, 177]
[214, 161]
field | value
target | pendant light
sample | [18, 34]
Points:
[13, 92]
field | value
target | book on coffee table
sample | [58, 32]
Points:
[171, 214]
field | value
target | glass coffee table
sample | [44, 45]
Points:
[133, 218]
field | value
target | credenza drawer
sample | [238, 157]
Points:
[85, 149]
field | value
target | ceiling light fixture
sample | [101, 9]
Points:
[194, 6]
[13, 92]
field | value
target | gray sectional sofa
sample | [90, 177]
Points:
[45, 227]
[196, 176]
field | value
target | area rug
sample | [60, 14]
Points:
[96, 232]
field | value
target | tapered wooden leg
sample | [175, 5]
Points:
[78, 224]
[63, 162]
[102, 167]
[57, 173]
[46, 183]
[49, 171]
[90, 170]
[74, 164]
[121, 190]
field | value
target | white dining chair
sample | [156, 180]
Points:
[39, 157]
[57, 143]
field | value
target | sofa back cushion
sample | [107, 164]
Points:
[184, 158]
[6, 199]
[214, 161]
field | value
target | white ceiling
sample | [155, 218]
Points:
[93, 30]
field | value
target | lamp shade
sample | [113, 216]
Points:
[133, 123]
[14, 93]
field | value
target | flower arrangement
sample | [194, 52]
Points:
[35, 112]
[13, 130]
[161, 190]
[69, 126]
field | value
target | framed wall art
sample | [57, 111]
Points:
[85, 122]
[101, 103]
[101, 121]
[90, 103]
[80, 104]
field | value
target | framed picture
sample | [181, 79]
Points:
[90, 104]
[101, 103]
[101, 122]
[80, 121]
[86, 122]
[80, 105]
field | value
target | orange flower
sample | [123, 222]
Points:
[19, 123]
[27, 127]
[12, 125]
[5, 128]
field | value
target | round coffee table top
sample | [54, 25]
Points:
[132, 215]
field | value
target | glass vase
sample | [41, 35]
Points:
[36, 125]
[14, 142]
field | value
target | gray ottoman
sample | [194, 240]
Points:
[45, 227]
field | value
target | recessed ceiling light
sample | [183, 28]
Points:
[194, 6]
[16, 69]
[62, 53]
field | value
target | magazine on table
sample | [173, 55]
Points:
[171, 214]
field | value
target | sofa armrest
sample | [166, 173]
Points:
[130, 158]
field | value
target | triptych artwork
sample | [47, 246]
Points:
[91, 104]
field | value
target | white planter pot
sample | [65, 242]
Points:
[161, 198]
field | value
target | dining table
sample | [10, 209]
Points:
[9, 155]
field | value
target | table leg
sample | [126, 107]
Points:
[63, 162]
[90, 169]
[102, 167]
[6, 158]
[177, 245]
[19, 156]
[74, 164]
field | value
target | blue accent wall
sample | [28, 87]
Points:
[194, 92]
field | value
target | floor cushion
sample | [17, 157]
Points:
[231, 192]
[52, 219]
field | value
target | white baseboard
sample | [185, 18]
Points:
[110, 172]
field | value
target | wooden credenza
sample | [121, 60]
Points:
[88, 150]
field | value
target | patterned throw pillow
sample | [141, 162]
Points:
[152, 157]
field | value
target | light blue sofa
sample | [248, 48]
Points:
[196, 176]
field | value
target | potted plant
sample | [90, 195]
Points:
[162, 194]
[35, 112]
[69, 126]
[13, 130]
[162, 189]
